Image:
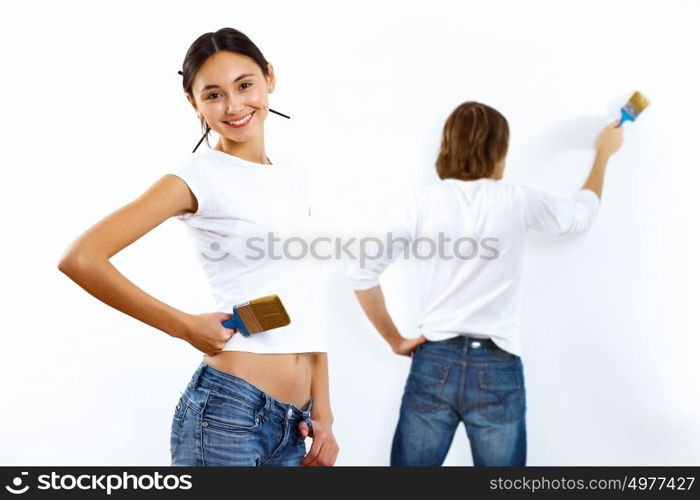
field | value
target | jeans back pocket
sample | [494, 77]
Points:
[426, 382]
[501, 393]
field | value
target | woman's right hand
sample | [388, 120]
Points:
[609, 139]
[206, 333]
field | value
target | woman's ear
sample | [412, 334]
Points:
[271, 80]
[191, 101]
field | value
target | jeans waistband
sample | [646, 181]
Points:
[474, 342]
[209, 377]
[464, 346]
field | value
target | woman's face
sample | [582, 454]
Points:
[230, 87]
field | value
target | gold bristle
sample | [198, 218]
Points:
[263, 314]
[639, 101]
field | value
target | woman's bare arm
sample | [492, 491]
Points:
[324, 448]
[86, 260]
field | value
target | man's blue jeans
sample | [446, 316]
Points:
[462, 379]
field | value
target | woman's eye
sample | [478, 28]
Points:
[210, 96]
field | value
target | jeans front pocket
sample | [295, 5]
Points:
[501, 393]
[426, 382]
[229, 413]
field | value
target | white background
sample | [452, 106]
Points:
[94, 113]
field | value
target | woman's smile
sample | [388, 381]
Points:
[242, 122]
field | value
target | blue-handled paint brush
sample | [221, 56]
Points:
[634, 106]
[258, 315]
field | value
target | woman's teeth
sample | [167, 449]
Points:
[242, 122]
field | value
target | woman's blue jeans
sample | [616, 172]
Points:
[223, 420]
[462, 379]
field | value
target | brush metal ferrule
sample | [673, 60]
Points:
[631, 110]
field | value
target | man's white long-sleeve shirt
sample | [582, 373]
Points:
[467, 239]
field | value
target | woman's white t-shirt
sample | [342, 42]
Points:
[247, 233]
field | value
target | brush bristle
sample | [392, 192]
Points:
[639, 101]
[263, 314]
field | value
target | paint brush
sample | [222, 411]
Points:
[634, 106]
[258, 315]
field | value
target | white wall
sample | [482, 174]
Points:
[94, 113]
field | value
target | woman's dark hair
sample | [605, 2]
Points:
[210, 43]
[474, 139]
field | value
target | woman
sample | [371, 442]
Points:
[252, 400]
[466, 364]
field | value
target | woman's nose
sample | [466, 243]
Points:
[235, 106]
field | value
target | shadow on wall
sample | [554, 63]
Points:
[574, 134]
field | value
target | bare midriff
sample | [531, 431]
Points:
[285, 377]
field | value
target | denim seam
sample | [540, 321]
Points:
[225, 395]
[232, 428]
[280, 445]
[436, 394]
[176, 433]
[225, 392]
[462, 387]
[442, 358]
[199, 435]
[181, 408]
[266, 408]
[489, 416]
[486, 387]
